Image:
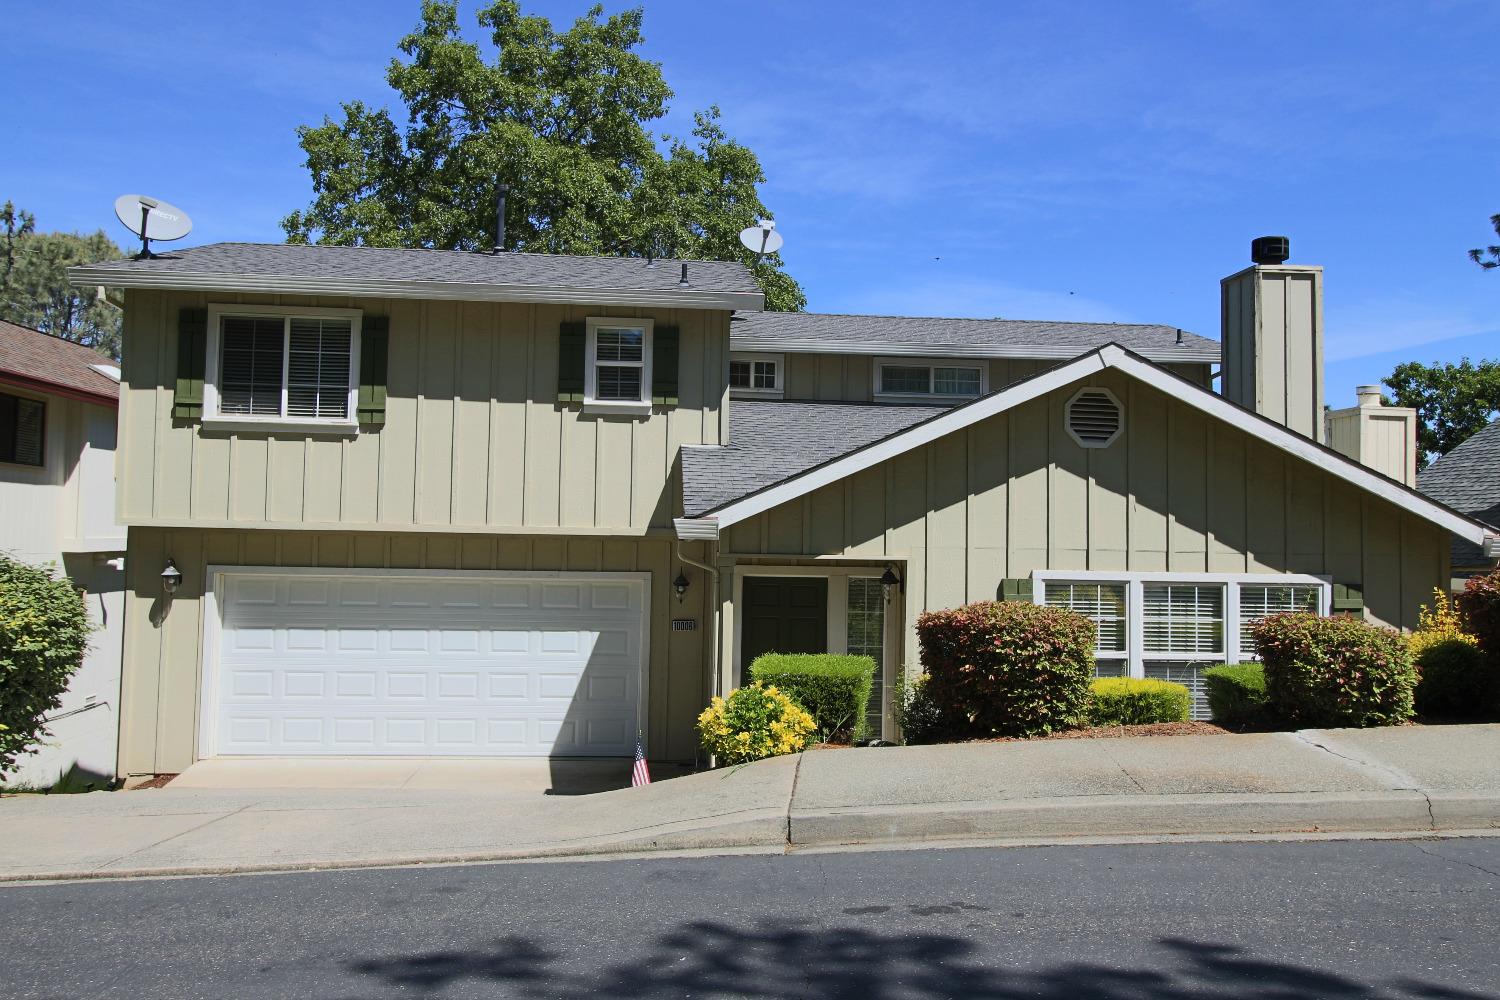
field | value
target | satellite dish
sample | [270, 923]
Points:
[152, 219]
[762, 238]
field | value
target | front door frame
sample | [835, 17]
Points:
[838, 621]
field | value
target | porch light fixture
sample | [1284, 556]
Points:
[889, 582]
[171, 578]
[680, 586]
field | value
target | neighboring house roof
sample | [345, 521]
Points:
[756, 498]
[770, 441]
[802, 333]
[35, 360]
[1468, 479]
[434, 274]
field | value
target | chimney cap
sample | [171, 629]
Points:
[1369, 395]
[1270, 249]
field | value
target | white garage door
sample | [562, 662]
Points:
[407, 664]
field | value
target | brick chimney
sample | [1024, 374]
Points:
[1272, 330]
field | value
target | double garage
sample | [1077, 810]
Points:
[340, 663]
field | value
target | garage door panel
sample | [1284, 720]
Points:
[350, 665]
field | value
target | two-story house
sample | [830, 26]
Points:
[446, 503]
[57, 508]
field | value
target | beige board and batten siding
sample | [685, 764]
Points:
[163, 670]
[851, 377]
[1178, 492]
[474, 436]
[1272, 321]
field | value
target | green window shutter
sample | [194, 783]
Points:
[1015, 589]
[374, 355]
[664, 348]
[1348, 599]
[192, 349]
[571, 337]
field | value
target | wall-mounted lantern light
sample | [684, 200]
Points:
[680, 586]
[171, 578]
[890, 583]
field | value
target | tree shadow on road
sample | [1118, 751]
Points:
[784, 958]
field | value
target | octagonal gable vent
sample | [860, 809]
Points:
[1095, 418]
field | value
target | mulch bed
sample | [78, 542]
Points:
[1123, 732]
[156, 781]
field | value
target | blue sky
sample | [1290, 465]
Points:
[1092, 161]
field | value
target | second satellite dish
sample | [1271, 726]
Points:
[152, 219]
[762, 238]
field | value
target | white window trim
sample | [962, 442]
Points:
[929, 364]
[776, 392]
[214, 420]
[592, 404]
[1135, 605]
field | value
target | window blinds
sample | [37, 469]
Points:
[1183, 618]
[1104, 603]
[1260, 602]
[317, 368]
[250, 369]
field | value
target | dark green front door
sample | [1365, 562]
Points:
[783, 614]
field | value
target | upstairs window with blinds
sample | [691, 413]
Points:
[1261, 602]
[285, 367]
[1182, 618]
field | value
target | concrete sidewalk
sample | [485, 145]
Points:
[225, 818]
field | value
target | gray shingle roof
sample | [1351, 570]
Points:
[773, 440]
[1468, 479]
[806, 332]
[273, 262]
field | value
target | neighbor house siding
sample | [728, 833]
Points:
[473, 438]
[163, 664]
[1178, 492]
[851, 377]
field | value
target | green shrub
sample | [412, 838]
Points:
[834, 688]
[1137, 701]
[1335, 671]
[918, 715]
[754, 722]
[1479, 611]
[1237, 695]
[44, 632]
[1007, 668]
[1458, 681]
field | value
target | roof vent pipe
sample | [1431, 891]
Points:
[682, 281]
[500, 218]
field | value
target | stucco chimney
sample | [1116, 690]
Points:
[1379, 436]
[1272, 328]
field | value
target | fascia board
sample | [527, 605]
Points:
[953, 420]
[1045, 352]
[203, 281]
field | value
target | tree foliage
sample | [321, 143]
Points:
[34, 288]
[1488, 257]
[1453, 401]
[43, 635]
[562, 118]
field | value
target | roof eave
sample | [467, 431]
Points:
[34, 384]
[1047, 352]
[209, 281]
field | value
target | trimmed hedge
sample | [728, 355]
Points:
[1007, 668]
[1237, 695]
[834, 688]
[1479, 611]
[1458, 681]
[1335, 671]
[44, 631]
[1136, 701]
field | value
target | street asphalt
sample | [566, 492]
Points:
[1349, 919]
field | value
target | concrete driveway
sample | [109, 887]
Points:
[525, 778]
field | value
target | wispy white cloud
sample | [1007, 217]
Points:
[1382, 324]
[970, 296]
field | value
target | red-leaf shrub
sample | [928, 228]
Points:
[1479, 611]
[1335, 671]
[1007, 668]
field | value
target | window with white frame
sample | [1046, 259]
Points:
[293, 365]
[618, 373]
[1172, 626]
[754, 374]
[932, 379]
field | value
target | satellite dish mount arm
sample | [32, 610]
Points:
[145, 253]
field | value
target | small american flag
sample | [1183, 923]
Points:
[640, 774]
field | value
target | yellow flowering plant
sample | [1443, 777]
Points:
[754, 722]
[1436, 624]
